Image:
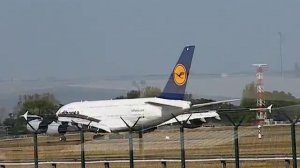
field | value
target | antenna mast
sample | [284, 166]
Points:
[261, 115]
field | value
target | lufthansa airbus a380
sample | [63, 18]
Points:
[113, 115]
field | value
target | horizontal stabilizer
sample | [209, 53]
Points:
[269, 108]
[213, 103]
[163, 104]
[28, 116]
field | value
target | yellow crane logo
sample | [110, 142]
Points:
[180, 75]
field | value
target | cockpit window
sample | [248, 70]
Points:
[70, 112]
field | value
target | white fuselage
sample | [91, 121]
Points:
[151, 111]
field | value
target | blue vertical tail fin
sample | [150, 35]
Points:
[175, 87]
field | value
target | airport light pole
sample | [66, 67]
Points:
[131, 128]
[236, 139]
[293, 139]
[182, 125]
[280, 54]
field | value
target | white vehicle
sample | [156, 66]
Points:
[117, 115]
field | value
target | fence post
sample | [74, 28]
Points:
[293, 139]
[164, 164]
[287, 163]
[294, 146]
[36, 157]
[236, 139]
[130, 128]
[141, 145]
[236, 144]
[53, 165]
[106, 164]
[223, 163]
[182, 124]
[35, 145]
[131, 148]
[182, 146]
[82, 154]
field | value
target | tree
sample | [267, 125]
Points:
[249, 96]
[148, 91]
[151, 91]
[39, 104]
[188, 97]
[133, 94]
[44, 105]
[2, 112]
[276, 98]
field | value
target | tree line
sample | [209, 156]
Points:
[46, 105]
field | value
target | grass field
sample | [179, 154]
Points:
[199, 143]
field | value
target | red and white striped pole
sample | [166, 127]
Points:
[261, 115]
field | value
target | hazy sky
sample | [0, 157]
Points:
[72, 38]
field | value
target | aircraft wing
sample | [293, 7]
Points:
[78, 116]
[195, 106]
[201, 116]
[100, 126]
[85, 120]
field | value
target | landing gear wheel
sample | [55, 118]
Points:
[63, 138]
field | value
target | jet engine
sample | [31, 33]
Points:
[195, 123]
[33, 125]
[55, 128]
[37, 124]
[41, 126]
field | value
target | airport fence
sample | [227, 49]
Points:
[203, 147]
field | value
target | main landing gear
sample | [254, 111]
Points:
[62, 138]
